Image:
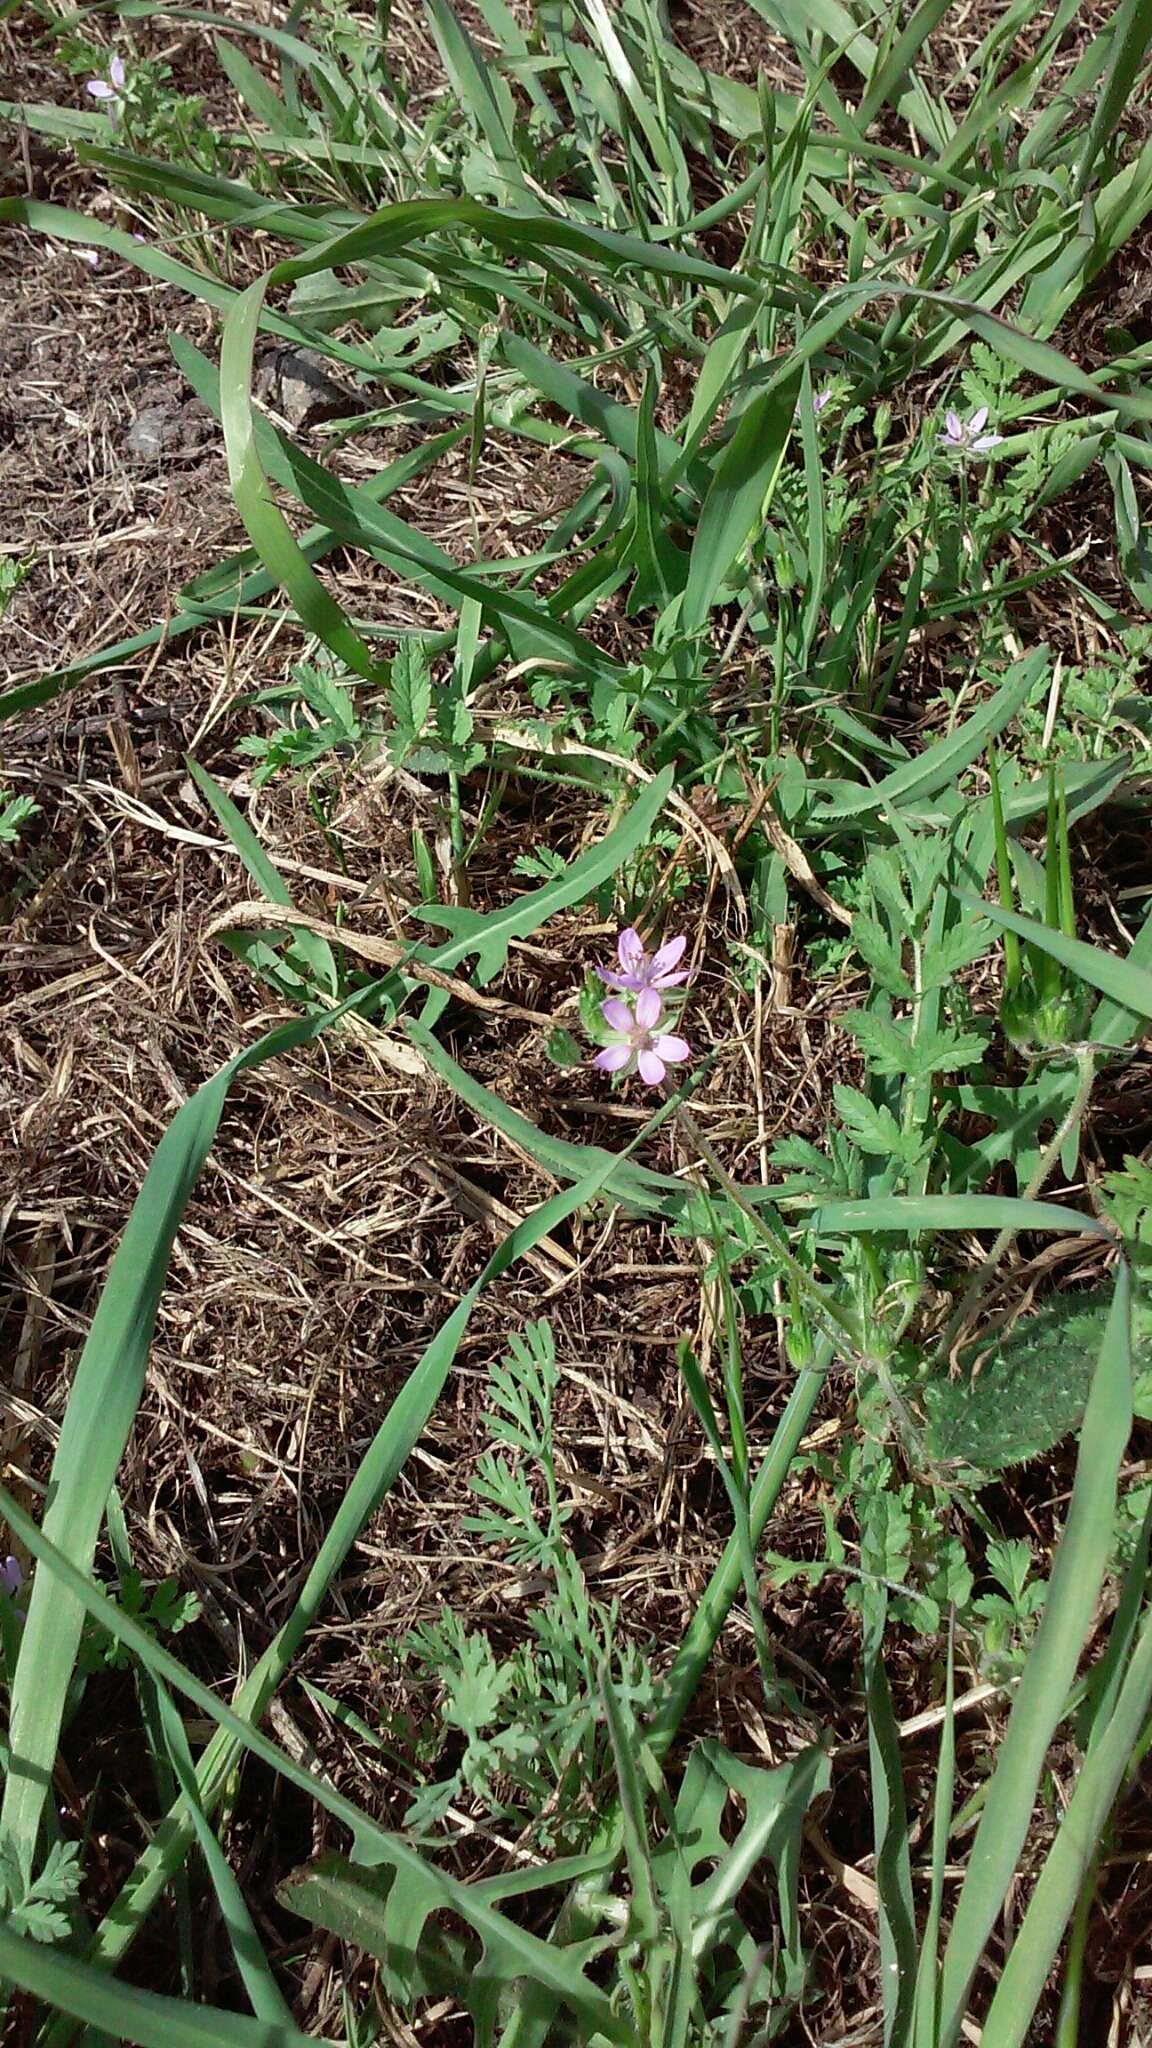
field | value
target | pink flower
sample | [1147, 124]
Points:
[109, 88]
[967, 437]
[639, 970]
[637, 1040]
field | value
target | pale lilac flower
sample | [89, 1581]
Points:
[638, 1041]
[820, 399]
[89, 256]
[967, 437]
[109, 88]
[640, 970]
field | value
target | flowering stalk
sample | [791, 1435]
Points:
[637, 1039]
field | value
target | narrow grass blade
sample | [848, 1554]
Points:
[487, 934]
[264, 1994]
[1131, 33]
[954, 1212]
[101, 1408]
[479, 90]
[266, 525]
[940, 764]
[926, 2010]
[898, 1952]
[740, 490]
[1035, 1948]
[1125, 982]
[315, 952]
[1073, 1591]
[124, 2014]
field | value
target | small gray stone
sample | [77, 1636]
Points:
[296, 384]
[154, 433]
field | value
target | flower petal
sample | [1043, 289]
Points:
[669, 1047]
[613, 1058]
[984, 442]
[618, 1016]
[671, 980]
[630, 949]
[978, 419]
[668, 955]
[955, 426]
[649, 1009]
[611, 979]
[117, 73]
[651, 1068]
[100, 89]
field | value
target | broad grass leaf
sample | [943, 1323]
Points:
[1073, 1591]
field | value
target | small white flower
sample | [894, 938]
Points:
[967, 437]
[109, 89]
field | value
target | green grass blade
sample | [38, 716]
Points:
[739, 492]
[264, 1993]
[953, 1212]
[1070, 1859]
[940, 764]
[479, 91]
[890, 78]
[266, 525]
[1131, 28]
[124, 2014]
[315, 952]
[1126, 983]
[1073, 1591]
[101, 1408]
[254, 89]
[926, 2012]
[488, 934]
[892, 1861]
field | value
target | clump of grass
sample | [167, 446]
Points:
[799, 639]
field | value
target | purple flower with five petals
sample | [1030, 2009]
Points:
[109, 88]
[639, 970]
[637, 1040]
[967, 437]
